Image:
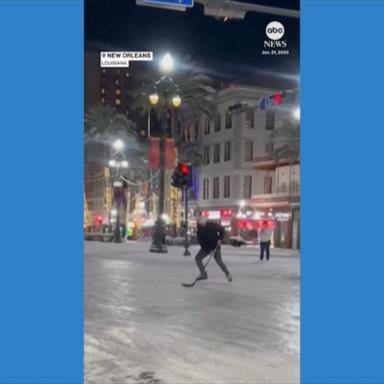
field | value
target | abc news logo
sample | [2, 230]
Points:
[275, 32]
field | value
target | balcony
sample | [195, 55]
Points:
[277, 199]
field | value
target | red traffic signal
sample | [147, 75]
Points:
[185, 169]
[277, 98]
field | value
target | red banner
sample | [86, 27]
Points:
[154, 154]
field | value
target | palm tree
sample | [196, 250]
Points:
[196, 93]
[103, 124]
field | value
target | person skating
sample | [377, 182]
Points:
[210, 236]
[265, 240]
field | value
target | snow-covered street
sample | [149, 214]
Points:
[142, 326]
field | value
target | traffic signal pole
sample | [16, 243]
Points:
[186, 243]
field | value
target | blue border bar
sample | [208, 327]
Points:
[41, 224]
[342, 192]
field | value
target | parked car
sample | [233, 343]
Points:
[237, 241]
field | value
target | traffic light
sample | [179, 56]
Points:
[182, 175]
[270, 101]
[278, 98]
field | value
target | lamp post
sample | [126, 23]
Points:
[118, 161]
[165, 95]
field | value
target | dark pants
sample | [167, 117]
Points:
[203, 253]
[264, 247]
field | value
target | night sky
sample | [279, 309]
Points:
[229, 51]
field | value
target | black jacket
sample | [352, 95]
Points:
[209, 234]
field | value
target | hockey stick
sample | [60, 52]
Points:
[190, 285]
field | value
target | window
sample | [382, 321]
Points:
[206, 155]
[207, 127]
[118, 92]
[216, 192]
[270, 120]
[103, 91]
[227, 186]
[228, 120]
[267, 184]
[247, 187]
[218, 123]
[205, 189]
[227, 151]
[268, 147]
[216, 153]
[117, 102]
[250, 118]
[248, 151]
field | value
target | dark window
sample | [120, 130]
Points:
[267, 184]
[247, 187]
[250, 118]
[268, 147]
[248, 151]
[205, 189]
[207, 127]
[227, 151]
[206, 155]
[218, 123]
[270, 120]
[227, 186]
[216, 153]
[228, 120]
[216, 191]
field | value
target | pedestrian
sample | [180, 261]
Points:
[265, 240]
[210, 236]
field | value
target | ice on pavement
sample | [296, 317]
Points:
[142, 326]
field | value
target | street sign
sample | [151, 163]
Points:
[176, 3]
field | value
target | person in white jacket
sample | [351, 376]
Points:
[265, 236]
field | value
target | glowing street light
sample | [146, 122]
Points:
[296, 113]
[118, 145]
[176, 101]
[112, 163]
[154, 98]
[167, 63]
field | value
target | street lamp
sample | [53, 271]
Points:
[176, 101]
[166, 95]
[296, 113]
[118, 145]
[118, 161]
[153, 98]
[166, 64]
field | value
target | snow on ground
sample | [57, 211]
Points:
[143, 327]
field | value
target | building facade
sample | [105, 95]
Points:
[231, 186]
